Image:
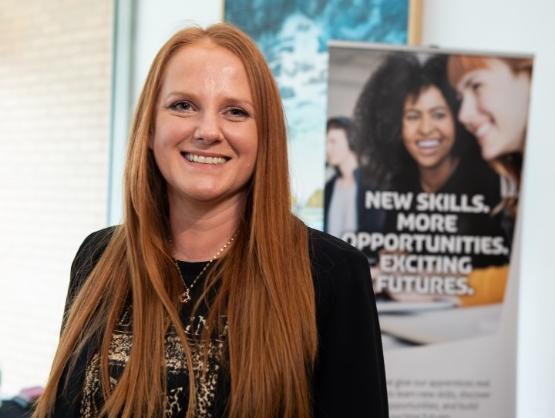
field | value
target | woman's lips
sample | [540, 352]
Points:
[483, 130]
[428, 143]
[204, 159]
[428, 147]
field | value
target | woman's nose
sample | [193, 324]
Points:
[208, 129]
[468, 111]
[425, 126]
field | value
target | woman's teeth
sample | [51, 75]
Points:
[203, 159]
[428, 143]
[483, 130]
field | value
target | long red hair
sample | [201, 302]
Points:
[265, 283]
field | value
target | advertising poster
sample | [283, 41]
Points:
[293, 35]
[424, 153]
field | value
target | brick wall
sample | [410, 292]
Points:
[55, 73]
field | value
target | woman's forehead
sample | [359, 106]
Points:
[205, 67]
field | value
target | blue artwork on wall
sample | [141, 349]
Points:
[293, 35]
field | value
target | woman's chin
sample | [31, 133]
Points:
[496, 147]
[428, 163]
[491, 150]
[211, 196]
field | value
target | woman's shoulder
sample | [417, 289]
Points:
[95, 243]
[474, 175]
[329, 252]
[98, 238]
[89, 252]
[342, 283]
[337, 267]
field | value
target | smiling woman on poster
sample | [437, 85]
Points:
[495, 95]
[415, 146]
[212, 299]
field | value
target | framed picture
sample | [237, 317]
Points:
[293, 35]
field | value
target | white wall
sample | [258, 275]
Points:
[55, 61]
[518, 26]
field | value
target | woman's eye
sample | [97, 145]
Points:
[439, 115]
[412, 116]
[476, 86]
[181, 106]
[237, 112]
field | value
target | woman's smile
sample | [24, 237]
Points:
[199, 158]
[205, 141]
[428, 145]
[428, 128]
[495, 107]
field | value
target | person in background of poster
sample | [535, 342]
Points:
[342, 189]
[343, 201]
[415, 147]
[495, 96]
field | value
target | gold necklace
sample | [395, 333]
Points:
[185, 297]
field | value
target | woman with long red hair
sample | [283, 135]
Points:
[212, 299]
[495, 98]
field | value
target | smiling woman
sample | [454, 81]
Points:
[495, 94]
[205, 140]
[407, 116]
[429, 136]
[411, 131]
[212, 299]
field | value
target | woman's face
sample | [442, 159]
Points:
[205, 140]
[337, 147]
[495, 107]
[428, 128]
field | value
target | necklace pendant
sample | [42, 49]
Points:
[185, 296]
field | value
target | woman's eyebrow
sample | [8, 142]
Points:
[235, 100]
[228, 100]
[180, 94]
[439, 107]
[468, 82]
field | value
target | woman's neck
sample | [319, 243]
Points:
[200, 229]
[434, 178]
[347, 169]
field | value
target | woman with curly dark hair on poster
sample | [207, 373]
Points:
[406, 119]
